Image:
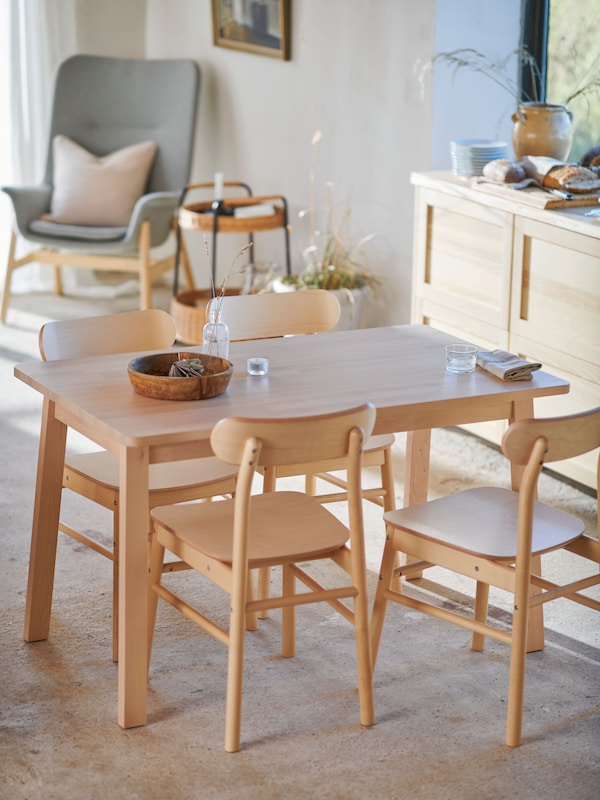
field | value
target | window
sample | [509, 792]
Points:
[563, 37]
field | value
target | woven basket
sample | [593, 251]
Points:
[188, 310]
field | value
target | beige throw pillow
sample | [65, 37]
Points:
[97, 190]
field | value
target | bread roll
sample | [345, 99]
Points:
[503, 171]
[591, 158]
[572, 178]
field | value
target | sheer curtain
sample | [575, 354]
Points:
[35, 36]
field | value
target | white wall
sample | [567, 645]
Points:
[112, 27]
[351, 75]
[467, 105]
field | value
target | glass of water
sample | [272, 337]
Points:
[460, 357]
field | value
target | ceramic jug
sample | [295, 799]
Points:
[541, 129]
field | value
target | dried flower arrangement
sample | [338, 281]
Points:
[498, 71]
[329, 262]
[223, 285]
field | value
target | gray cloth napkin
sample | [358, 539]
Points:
[506, 366]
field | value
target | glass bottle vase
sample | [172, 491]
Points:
[215, 335]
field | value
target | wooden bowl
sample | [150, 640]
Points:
[149, 375]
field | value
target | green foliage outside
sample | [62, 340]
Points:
[573, 62]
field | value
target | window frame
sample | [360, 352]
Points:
[535, 15]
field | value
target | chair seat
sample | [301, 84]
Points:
[310, 530]
[103, 468]
[81, 233]
[483, 521]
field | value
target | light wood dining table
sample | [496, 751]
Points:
[400, 369]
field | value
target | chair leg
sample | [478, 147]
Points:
[58, 286]
[288, 614]
[10, 268]
[310, 485]
[518, 654]
[145, 266]
[482, 593]
[535, 631]
[264, 573]
[251, 616]
[235, 667]
[387, 481]
[363, 646]
[155, 569]
[388, 563]
[115, 588]
[389, 502]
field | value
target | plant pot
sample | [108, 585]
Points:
[542, 129]
[353, 304]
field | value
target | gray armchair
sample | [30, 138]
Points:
[104, 105]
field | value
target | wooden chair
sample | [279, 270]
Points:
[95, 475]
[225, 539]
[497, 536]
[270, 315]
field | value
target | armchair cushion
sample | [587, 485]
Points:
[92, 190]
[88, 233]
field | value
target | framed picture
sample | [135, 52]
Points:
[256, 26]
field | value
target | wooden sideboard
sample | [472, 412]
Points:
[493, 266]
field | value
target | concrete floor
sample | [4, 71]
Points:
[440, 708]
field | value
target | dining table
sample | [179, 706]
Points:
[400, 369]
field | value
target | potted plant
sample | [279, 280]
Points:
[539, 128]
[331, 263]
[331, 260]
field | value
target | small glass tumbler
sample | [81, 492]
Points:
[461, 357]
[257, 366]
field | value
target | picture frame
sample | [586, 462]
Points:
[254, 26]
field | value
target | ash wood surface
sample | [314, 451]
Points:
[496, 537]
[509, 275]
[222, 541]
[536, 197]
[401, 370]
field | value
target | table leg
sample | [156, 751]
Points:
[44, 531]
[416, 478]
[133, 587]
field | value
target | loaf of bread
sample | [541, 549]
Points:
[503, 171]
[591, 158]
[572, 178]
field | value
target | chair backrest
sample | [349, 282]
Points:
[565, 437]
[105, 104]
[264, 316]
[126, 332]
[292, 440]
[535, 442]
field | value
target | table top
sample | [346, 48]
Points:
[400, 369]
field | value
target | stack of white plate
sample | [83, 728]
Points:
[469, 156]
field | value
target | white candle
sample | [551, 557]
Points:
[219, 183]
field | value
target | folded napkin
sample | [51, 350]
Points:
[505, 365]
